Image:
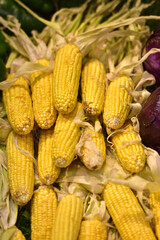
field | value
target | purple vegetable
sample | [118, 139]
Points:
[152, 63]
[149, 119]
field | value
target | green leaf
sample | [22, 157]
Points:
[8, 234]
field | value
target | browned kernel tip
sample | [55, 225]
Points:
[114, 122]
[48, 179]
[60, 162]
[89, 109]
[21, 198]
[24, 129]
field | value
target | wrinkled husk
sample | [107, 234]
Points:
[8, 208]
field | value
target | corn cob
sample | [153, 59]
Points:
[65, 137]
[43, 212]
[155, 206]
[92, 230]
[126, 212]
[93, 87]
[66, 75]
[20, 167]
[18, 105]
[129, 150]
[41, 86]
[68, 218]
[93, 152]
[18, 235]
[116, 108]
[47, 170]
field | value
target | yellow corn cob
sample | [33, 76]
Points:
[18, 235]
[20, 167]
[116, 108]
[65, 137]
[68, 218]
[155, 206]
[42, 97]
[18, 105]
[129, 149]
[92, 230]
[43, 212]
[47, 170]
[93, 87]
[66, 75]
[93, 152]
[126, 212]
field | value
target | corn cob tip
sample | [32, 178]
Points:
[88, 108]
[93, 162]
[60, 162]
[48, 179]
[113, 123]
[44, 124]
[24, 129]
[21, 197]
[92, 158]
[137, 163]
[51, 178]
[60, 106]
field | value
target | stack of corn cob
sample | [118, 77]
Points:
[78, 110]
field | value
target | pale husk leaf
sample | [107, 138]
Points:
[5, 129]
[8, 208]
